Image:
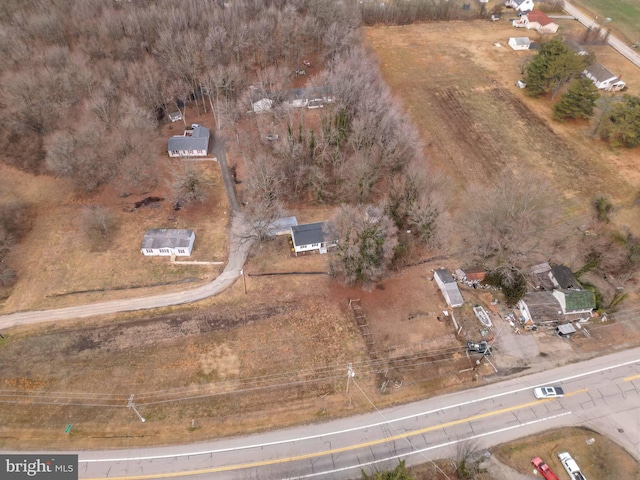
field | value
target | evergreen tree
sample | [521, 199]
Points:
[622, 125]
[553, 66]
[578, 101]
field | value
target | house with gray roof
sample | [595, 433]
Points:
[192, 143]
[310, 237]
[448, 287]
[603, 78]
[167, 242]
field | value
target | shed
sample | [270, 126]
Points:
[519, 43]
[309, 237]
[448, 287]
[565, 330]
[167, 242]
[474, 274]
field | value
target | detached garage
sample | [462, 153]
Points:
[520, 43]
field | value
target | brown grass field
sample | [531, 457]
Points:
[290, 337]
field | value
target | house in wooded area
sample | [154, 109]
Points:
[448, 287]
[576, 303]
[520, 5]
[520, 43]
[309, 237]
[175, 116]
[563, 278]
[536, 20]
[262, 105]
[309, 97]
[541, 308]
[603, 78]
[192, 143]
[168, 242]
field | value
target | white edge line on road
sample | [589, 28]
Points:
[423, 450]
[373, 425]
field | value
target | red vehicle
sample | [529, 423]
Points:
[544, 469]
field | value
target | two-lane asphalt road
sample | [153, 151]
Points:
[602, 393]
[624, 49]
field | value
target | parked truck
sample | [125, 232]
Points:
[544, 469]
[571, 466]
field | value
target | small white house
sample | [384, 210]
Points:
[520, 5]
[520, 43]
[309, 237]
[603, 78]
[167, 242]
[262, 105]
[448, 287]
[192, 143]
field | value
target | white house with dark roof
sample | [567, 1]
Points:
[448, 287]
[167, 242]
[603, 78]
[309, 237]
[520, 5]
[192, 143]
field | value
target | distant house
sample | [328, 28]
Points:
[536, 20]
[520, 43]
[603, 78]
[310, 97]
[167, 242]
[576, 302]
[309, 237]
[520, 5]
[175, 116]
[192, 143]
[262, 105]
[448, 287]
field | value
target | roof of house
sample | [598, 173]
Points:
[308, 93]
[307, 233]
[167, 238]
[445, 275]
[539, 16]
[475, 273]
[599, 72]
[520, 40]
[543, 307]
[195, 139]
[576, 300]
[565, 278]
[517, 2]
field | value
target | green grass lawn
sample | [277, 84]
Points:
[624, 14]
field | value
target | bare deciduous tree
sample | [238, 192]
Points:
[187, 185]
[509, 218]
[366, 242]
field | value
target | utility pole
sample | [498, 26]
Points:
[350, 375]
[244, 281]
[132, 406]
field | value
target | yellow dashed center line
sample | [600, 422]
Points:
[307, 456]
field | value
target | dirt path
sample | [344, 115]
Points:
[239, 248]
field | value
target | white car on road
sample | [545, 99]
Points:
[548, 392]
